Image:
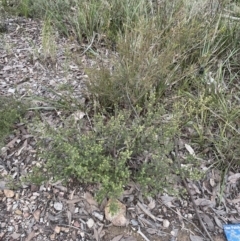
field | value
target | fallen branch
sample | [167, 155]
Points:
[176, 159]
[147, 212]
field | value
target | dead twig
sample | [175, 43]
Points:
[142, 234]
[147, 212]
[188, 190]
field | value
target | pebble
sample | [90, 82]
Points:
[15, 205]
[8, 193]
[57, 229]
[58, 206]
[11, 90]
[134, 222]
[90, 223]
[16, 235]
[166, 223]
[76, 210]
[98, 215]
[10, 228]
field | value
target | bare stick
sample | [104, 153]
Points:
[142, 234]
[188, 190]
[146, 211]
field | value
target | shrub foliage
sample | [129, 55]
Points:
[120, 149]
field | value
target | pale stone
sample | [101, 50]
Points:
[90, 223]
[119, 217]
[8, 193]
[57, 229]
[58, 206]
[166, 223]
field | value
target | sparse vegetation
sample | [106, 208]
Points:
[174, 71]
[118, 150]
[10, 112]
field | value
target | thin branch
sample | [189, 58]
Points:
[187, 220]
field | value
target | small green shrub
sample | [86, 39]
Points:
[120, 149]
[10, 111]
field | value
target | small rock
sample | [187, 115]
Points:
[16, 235]
[10, 228]
[134, 222]
[90, 223]
[119, 217]
[76, 210]
[66, 230]
[14, 206]
[166, 223]
[8, 193]
[57, 229]
[11, 90]
[98, 215]
[58, 206]
[42, 188]
[36, 194]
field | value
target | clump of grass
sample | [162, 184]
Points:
[48, 41]
[177, 61]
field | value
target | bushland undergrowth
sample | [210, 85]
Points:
[11, 111]
[174, 71]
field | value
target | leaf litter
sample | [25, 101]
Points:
[56, 212]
